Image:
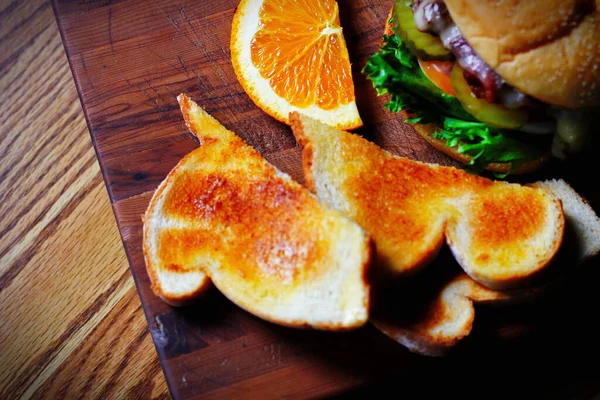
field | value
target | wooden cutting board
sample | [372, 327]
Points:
[130, 58]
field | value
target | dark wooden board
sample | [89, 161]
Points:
[130, 58]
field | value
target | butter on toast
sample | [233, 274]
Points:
[501, 234]
[226, 215]
[448, 314]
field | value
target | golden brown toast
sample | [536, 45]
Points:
[446, 315]
[265, 241]
[501, 234]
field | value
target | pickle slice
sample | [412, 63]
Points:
[492, 114]
[423, 45]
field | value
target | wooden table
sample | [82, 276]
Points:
[71, 323]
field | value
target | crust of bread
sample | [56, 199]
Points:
[264, 241]
[582, 222]
[447, 318]
[442, 323]
[194, 282]
[546, 49]
[503, 235]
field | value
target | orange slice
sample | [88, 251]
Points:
[290, 55]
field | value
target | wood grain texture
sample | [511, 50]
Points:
[71, 324]
[130, 59]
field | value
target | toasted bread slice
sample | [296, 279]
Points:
[265, 241]
[442, 322]
[501, 234]
[448, 318]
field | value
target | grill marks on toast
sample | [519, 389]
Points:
[502, 234]
[265, 242]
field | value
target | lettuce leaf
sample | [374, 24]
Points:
[484, 144]
[394, 70]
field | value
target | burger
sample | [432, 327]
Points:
[502, 85]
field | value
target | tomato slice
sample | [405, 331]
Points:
[439, 72]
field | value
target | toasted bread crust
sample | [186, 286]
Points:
[153, 265]
[446, 319]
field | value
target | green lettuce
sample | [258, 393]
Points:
[394, 70]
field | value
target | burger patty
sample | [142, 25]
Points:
[432, 16]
